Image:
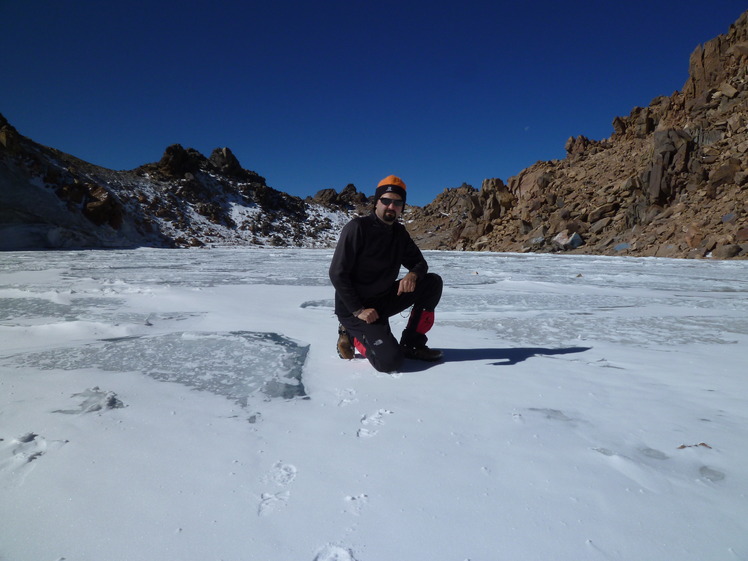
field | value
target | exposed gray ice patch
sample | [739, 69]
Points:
[24, 308]
[236, 365]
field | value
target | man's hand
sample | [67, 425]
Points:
[369, 315]
[407, 283]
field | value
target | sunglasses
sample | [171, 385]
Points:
[386, 201]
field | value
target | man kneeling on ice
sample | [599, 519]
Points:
[364, 272]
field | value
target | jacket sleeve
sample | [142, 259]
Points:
[343, 264]
[413, 259]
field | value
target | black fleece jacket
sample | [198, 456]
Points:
[367, 261]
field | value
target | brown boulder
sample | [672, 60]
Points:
[619, 126]
[724, 174]
[604, 211]
[491, 209]
[576, 146]
[600, 225]
[694, 235]
[671, 152]
[726, 251]
[642, 120]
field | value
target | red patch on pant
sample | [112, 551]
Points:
[359, 347]
[425, 322]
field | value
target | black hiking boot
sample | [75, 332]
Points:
[345, 348]
[422, 353]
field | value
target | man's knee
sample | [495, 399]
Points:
[385, 354]
[376, 343]
[432, 291]
[390, 362]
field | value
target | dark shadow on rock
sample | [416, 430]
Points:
[506, 357]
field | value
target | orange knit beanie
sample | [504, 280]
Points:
[391, 184]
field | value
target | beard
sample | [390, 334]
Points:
[389, 216]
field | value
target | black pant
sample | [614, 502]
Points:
[380, 346]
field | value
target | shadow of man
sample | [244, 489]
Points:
[503, 357]
[506, 357]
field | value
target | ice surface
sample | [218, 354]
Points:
[94, 287]
[544, 302]
[236, 365]
[117, 271]
[542, 299]
[587, 408]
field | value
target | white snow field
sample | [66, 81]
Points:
[189, 405]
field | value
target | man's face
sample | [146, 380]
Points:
[389, 207]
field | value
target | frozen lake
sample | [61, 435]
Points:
[587, 408]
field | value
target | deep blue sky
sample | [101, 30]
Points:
[316, 94]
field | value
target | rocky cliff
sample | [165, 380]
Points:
[49, 199]
[671, 181]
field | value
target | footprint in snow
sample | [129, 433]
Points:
[553, 414]
[18, 455]
[272, 502]
[710, 474]
[654, 453]
[334, 553]
[281, 474]
[648, 452]
[556, 415]
[355, 504]
[346, 397]
[375, 419]
[632, 467]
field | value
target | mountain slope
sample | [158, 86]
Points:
[49, 199]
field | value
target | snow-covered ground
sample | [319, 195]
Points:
[189, 405]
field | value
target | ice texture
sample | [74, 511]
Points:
[235, 365]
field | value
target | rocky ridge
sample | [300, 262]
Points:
[671, 181]
[49, 199]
